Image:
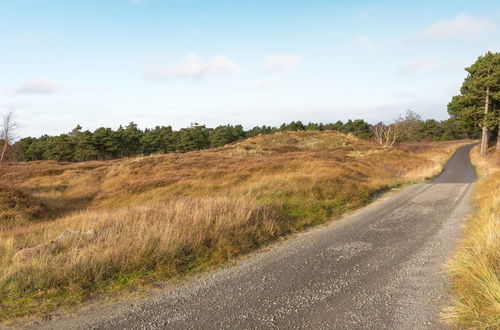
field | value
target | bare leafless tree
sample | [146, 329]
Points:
[7, 133]
[386, 135]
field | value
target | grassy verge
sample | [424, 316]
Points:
[475, 266]
[124, 223]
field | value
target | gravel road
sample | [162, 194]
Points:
[379, 268]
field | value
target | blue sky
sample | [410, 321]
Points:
[173, 62]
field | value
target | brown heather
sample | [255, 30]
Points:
[93, 227]
[475, 266]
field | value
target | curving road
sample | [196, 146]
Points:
[380, 268]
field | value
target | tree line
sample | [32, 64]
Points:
[106, 143]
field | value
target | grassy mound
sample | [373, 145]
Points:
[282, 142]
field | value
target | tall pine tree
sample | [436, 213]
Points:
[479, 99]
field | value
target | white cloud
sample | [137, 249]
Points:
[461, 27]
[419, 64]
[366, 12]
[38, 87]
[278, 62]
[18, 40]
[193, 66]
[434, 64]
[267, 83]
[364, 44]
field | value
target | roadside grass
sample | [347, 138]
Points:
[475, 266]
[126, 223]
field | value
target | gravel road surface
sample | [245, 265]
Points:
[379, 268]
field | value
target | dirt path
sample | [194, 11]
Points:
[380, 268]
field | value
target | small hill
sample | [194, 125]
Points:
[282, 142]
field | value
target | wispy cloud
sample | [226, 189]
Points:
[195, 67]
[280, 62]
[365, 44]
[269, 82]
[461, 27]
[366, 12]
[420, 64]
[433, 64]
[21, 39]
[37, 87]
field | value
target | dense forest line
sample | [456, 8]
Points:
[106, 143]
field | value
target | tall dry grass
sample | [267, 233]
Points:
[109, 225]
[475, 266]
[106, 247]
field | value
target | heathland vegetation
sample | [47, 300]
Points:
[69, 231]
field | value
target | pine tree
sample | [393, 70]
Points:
[192, 138]
[479, 99]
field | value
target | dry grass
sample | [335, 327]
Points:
[115, 224]
[18, 208]
[475, 267]
[107, 248]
